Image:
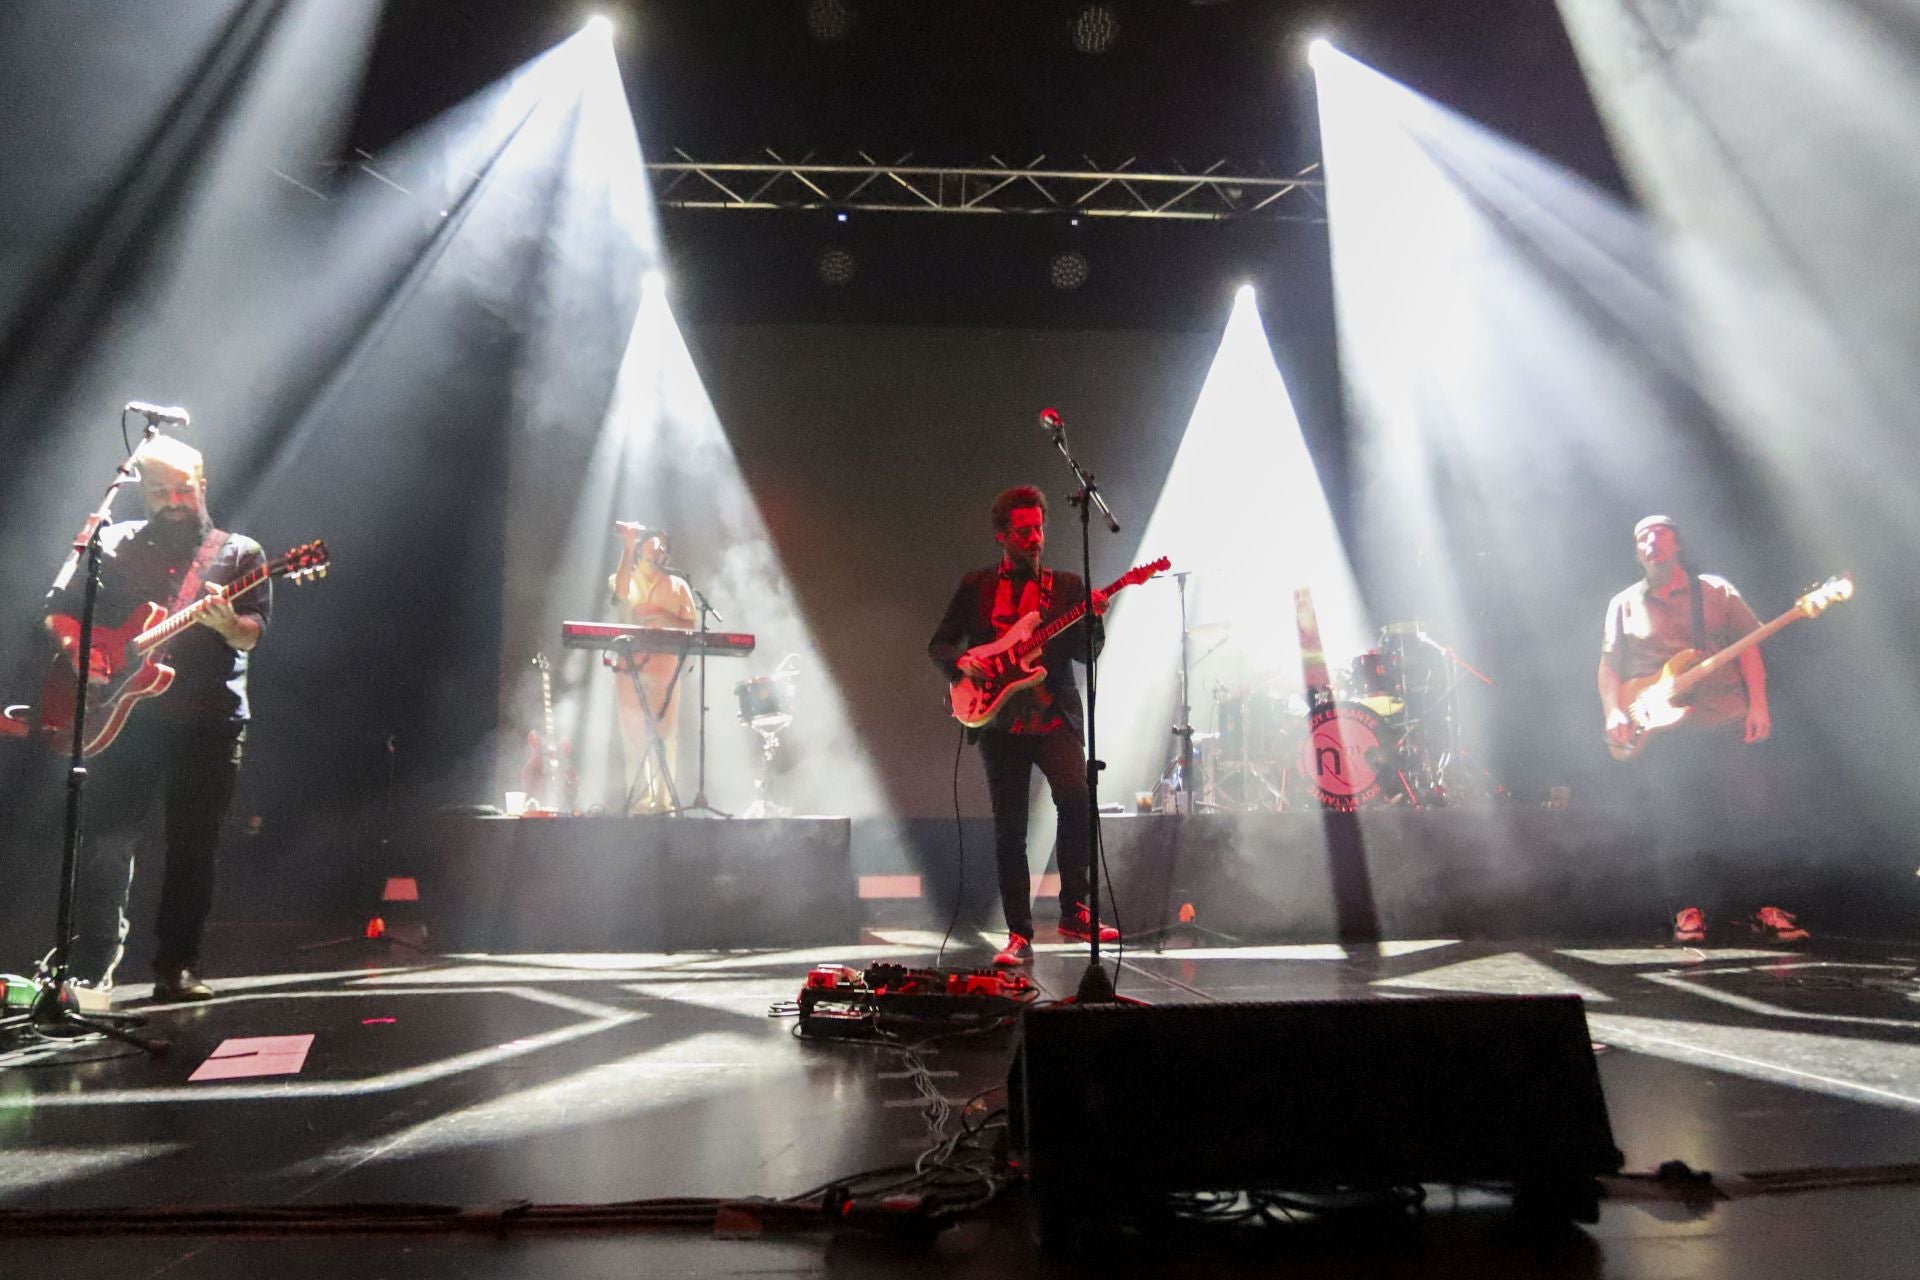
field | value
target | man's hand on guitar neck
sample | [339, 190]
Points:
[217, 614]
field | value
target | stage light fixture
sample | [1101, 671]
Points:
[829, 21]
[836, 265]
[1069, 269]
[599, 24]
[1318, 49]
[652, 281]
[1095, 28]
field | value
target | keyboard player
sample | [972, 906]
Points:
[647, 593]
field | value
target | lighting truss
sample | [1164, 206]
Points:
[1086, 189]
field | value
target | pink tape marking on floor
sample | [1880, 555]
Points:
[255, 1056]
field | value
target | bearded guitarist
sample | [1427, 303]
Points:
[1041, 726]
[1699, 776]
[186, 745]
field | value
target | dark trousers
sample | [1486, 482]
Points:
[1009, 759]
[1713, 800]
[191, 766]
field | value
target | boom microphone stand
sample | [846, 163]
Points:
[1095, 987]
[52, 1015]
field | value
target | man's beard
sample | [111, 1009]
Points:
[177, 524]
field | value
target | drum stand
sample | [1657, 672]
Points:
[769, 728]
[1176, 781]
[1255, 777]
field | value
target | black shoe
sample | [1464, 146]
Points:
[179, 984]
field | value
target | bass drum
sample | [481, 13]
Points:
[1349, 757]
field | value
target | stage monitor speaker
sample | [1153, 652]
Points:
[1113, 1106]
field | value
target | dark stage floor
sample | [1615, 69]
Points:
[475, 1080]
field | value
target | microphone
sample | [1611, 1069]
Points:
[170, 413]
[1050, 420]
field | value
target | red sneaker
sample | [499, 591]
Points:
[1776, 925]
[1076, 925]
[1689, 926]
[1019, 950]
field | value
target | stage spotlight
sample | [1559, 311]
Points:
[1244, 296]
[652, 281]
[836, 265]
[1317, 51]
[1069, 269]
[599, 24]
[829, 21]
[840, 215]
[1095, 28]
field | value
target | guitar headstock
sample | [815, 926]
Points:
[1141, 572]
[304, 563]
[1832, 591]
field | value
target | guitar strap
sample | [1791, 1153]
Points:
[1699, 611]
[189, 591]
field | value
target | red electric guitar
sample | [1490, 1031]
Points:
[1010, 661]
[133, 671]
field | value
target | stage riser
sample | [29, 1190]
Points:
[634, 884]
[1506, 872]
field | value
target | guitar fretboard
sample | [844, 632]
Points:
[167, 628]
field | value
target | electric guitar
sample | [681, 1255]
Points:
[547, 777]
[1009, 662]
[1658, 701]
[133, 672]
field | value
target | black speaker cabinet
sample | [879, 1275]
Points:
[1114, 1105]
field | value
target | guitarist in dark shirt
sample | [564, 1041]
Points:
[184, 743]
[1040, 727]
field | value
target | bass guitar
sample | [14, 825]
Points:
[547, 777]
[1659, 701]
[1010, 663]
[133, 671]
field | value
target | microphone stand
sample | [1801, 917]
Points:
[1095, 986]
[51, 1015]
[705, 608]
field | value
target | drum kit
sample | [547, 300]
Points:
[766, 707]
[1387, 731]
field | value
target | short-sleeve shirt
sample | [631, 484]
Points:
[1644, 629]
[210, 677]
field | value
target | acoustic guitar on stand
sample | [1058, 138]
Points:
[1011, 661]
[1659, 701]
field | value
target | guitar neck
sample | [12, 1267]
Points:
[172, 625]
[1044, 635]
[1695, 674]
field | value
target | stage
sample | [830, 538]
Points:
[480, 1080]
[1490, 872]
